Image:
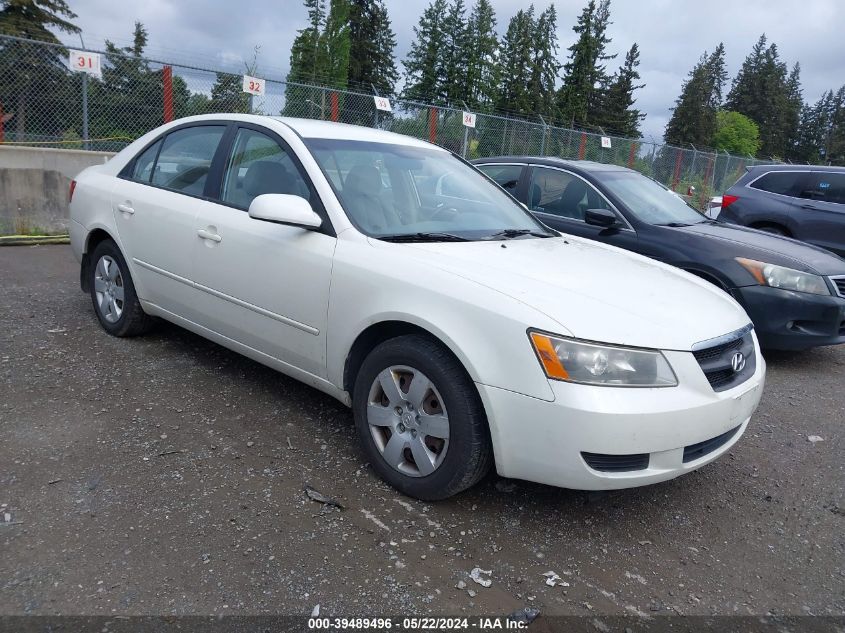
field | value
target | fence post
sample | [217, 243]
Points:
[632, 153]
[335, 106]
[582, 148]
[432, 124]
[167, 80]
[676, 175]
[85, 143]
[2, 125]
[727, 166]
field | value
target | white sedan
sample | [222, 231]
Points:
[462, 332]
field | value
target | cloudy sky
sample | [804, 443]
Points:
[672, 34]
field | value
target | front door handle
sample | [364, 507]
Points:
[124, 207]
[207, 235]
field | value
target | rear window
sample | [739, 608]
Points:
[785, 183]
[826, 186]
[507, 176]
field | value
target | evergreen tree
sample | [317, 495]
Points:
[424, 78]
[585, 77]
[516, 61]
[694, 115]
[617, 114]
[227, 94]
[794, 103]
[335, 45]
[452, 58]
[544, 64]
[372, 42]
[306, 63]
[762, 91]
[481, 53]
[34, 78]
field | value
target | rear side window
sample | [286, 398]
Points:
[142, 171]
[185, 158]
[506, 176]
[785, 183]
[827, 187]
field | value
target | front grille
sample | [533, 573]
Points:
[697, 451]
[716, 359]
[616, 463]
[839, 282]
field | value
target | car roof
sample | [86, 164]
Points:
[553, 161]
[311, 128]
[315, 128]
[781, 167]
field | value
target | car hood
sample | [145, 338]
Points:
[767, 247]
[595, 292]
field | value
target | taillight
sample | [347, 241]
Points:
[72, 189]
[728, 200]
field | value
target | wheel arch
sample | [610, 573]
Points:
[762, 225]
[377, 333]
[95, 236]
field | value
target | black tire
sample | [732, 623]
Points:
[469, 455]
[132, 321]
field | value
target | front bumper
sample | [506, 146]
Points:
[545, 441]
[789, 320]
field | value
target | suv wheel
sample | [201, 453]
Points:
[420, 419]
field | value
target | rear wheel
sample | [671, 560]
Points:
[113, 293]
[420, 419]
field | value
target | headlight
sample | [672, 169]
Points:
[595, 364]
[782, 277]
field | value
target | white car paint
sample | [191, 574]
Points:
[297, 300]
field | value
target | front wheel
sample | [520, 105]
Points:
[113, 293]
[420, 419]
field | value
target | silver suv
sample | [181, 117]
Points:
[806, 202]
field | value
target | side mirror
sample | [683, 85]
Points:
[283, 208]
[604, 218]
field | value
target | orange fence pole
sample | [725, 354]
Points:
[676, 176]
[167, 79]
[582, 149]
[335, 106]
[432, 125]
[632, 153]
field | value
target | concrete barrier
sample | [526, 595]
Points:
[34, 184]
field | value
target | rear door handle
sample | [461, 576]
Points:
[207, 235]
[125, 208]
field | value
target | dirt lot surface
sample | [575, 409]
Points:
[165, 475]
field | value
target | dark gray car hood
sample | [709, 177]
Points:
[772, 249]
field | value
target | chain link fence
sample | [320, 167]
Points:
[44, 102]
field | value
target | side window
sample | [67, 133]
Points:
[259, 165]
[143, 168]
[826, 186]
[507, 176]
[563, 194]
[786, 183]
[185, 158]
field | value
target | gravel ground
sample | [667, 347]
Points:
[165, 475]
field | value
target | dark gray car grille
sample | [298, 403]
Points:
[839, 282]
[716, 361]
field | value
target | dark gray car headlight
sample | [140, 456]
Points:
[785, 278]
[591, 363]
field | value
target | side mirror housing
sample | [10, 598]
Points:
[604, 218]
[283, 208]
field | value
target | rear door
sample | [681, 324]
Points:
[262, 284]
[155, 204]
[821, 210]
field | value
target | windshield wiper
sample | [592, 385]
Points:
[674, 225]
[512, 233]
[422, 237]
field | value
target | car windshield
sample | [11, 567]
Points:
[405, 193]
[650, 202]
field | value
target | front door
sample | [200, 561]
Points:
[560, 199]
[264, 285]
